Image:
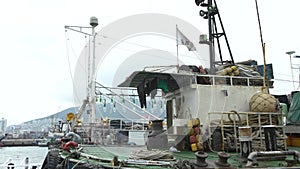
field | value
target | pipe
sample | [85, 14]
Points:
[74, 137]
[252, 156]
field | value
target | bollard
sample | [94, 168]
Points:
[26, 163]
[157, 137]
[10, 166]
[270, 138]
[246, 142]
[200, 159]
[222, 161]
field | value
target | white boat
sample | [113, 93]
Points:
[44, 143]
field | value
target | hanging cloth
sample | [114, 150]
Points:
[142, 94]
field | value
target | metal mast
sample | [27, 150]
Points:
[211, 13]
[91, 86]
[93, 23]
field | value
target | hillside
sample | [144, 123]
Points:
[108, 111]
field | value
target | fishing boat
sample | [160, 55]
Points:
[43, 143]
[1, 138]
[217, 117]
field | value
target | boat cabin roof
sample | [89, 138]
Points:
[170, 82]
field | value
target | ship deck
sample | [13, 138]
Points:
[103, 155]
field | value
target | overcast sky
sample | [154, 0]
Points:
[34, 67]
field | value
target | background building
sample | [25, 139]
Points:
[3, 125]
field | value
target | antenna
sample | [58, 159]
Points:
[211, 13]
[94, 21]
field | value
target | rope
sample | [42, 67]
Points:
[151, 155]
[222, 125]
[236, 113]
[260, 31]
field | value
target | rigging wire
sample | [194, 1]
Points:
[69, 45]
[145, 54]
[197, 56]
[282, 74]
[284, 80]
[125, 49]
[149, 47]
[69, 64]
[76, 56]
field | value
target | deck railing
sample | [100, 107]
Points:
[24, 164]
[227, 80]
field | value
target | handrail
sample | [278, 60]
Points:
[229, 112]
[231, 78]
[132, 121]
[215, 77]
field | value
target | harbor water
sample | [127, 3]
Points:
[18, 154]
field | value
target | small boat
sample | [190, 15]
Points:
[2, 138]
[44, 143]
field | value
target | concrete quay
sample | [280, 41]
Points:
[19, 142]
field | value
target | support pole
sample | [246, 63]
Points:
[211, 39]
[177, 57]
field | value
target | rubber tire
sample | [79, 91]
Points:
[217, 140]
[53, 158]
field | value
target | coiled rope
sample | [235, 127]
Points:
[152, 155]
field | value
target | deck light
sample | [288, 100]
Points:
[198, 2]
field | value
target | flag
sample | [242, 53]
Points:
[183, 40]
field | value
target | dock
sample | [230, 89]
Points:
[18, 142]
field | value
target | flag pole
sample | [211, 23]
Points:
[177, 49]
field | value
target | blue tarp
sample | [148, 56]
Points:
[269, 67]
[293, 116]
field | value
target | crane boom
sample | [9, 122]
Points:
[80, 111]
